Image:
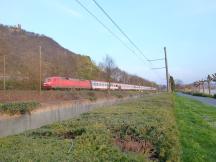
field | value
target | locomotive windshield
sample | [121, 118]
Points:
[48, 80]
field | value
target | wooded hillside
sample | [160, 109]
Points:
[21, 50]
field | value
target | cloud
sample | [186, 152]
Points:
[65, 9]
[70, 11]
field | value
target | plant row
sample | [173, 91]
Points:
[18, 107]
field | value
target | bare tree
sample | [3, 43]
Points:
[108, 67]
[179, 84]
[209, 79]
[214, 77]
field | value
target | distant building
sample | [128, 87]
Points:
[16, 28]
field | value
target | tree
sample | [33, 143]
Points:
[214, 77]
[172, 83]
[179, 85]
[108, 67]
[209, 79]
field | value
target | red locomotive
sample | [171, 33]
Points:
[67, 83]
[64, 82]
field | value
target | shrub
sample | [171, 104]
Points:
[18, 108]
[214, 96]
[119, 96]
[197, 94]
[92, 96]
[201, 94]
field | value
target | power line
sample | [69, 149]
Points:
[115, 35]
[107, 28]
[160, 59]
[158, 68]
[120, 29]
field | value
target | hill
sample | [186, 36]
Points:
[21, 50]
[22, 58]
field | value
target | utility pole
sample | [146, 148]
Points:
[40, 69]
[167, 72]
[4, 86]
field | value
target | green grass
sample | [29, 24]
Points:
[18, 107]
[197, 127]
[143, 130]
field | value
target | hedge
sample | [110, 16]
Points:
[18, 107]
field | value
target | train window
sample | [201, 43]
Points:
[48, 80]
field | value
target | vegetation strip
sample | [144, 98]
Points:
[197, 127]
[143, 130]
[18, 107]
[200, 94]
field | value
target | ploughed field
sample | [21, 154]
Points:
[153, 128]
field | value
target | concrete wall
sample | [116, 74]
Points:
[53, 114]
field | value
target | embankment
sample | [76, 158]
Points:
[50, 114]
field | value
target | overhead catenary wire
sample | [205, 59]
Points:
[115, 35]
[160, 59]
[120, 29]
[107, 28]
[126, 36]
[158, 68]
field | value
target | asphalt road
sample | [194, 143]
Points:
[205, 100]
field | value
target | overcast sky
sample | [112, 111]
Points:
[186, 27]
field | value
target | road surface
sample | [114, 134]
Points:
[205, 100]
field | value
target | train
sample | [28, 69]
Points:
[57, 82]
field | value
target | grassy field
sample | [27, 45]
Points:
[197, 127]
[154, 128]
[143, 130]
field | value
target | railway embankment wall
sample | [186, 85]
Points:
[50, 114]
